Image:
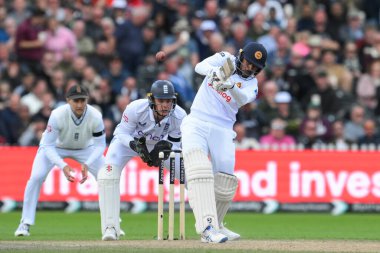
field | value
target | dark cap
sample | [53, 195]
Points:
[321, 72]
[77, 91]
[37, 12]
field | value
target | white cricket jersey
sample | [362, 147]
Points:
[72, 133]
[221, 107]
[138, 120]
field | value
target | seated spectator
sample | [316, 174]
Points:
[324, 130]
[277, 135]
[308, 136]
[241, 140]
[371, 135]
[33, 134]
[338, 139]
[266, 103]
[130, 89]
[85, 44]
[353, 128]
[288, 110]
[60, 39]
[253, 119]
[367, 86]
[33, 100]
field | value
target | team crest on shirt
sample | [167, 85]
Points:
[238, 84]
[48, 128]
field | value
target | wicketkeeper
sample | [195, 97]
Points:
[147, 127]
[208, 132]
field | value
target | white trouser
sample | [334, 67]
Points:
[213, 140]
[117, 156]
[41, 168]
[200, 139]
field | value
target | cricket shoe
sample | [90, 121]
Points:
[109, 235]
[232, 236]
[22, 230]
[211, 235]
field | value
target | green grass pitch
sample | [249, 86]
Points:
[85, 226]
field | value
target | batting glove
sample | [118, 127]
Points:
[224, 86]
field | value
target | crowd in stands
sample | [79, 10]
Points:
[321, 85]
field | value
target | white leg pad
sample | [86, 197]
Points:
[225, 189]
[109, 197]
[200, 186]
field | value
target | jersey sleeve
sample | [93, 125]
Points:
[127, 125]
[245, 95]
[215, 60]
[48, 142]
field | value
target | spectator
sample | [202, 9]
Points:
[266, 103]
[242, 141]
[184, 89]
[277, 135]
[129, 39]
[264, 6]
[33, 134]
[30, 40]
[353, 128]
[206, 30]
[130, 89]
[367, 86]
[33, 100]
[288, 110]
[239, 36]
[85, 44]
[309, 137]
[253, 120]
[324, 129]
[19, 11]
[371, 135]
[180, 43]
[60, 39]
[115, 112]
[116, 74]
[338, 139]
[13, 125]
[329, 101]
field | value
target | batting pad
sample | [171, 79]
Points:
[200, 182]
[109, 197]
[225, 189]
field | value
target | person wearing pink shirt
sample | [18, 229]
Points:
[277, 136]
[60, 40]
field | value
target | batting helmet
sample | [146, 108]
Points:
[255, 54]
[162, 89]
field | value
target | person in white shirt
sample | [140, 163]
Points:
[208, 132]
[146, 127]
[74, 130]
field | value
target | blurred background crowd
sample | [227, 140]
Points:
[321, 85]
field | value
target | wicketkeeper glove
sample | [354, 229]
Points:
[139, 146]
[160, 146]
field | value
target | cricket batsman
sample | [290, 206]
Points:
[207, 136]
